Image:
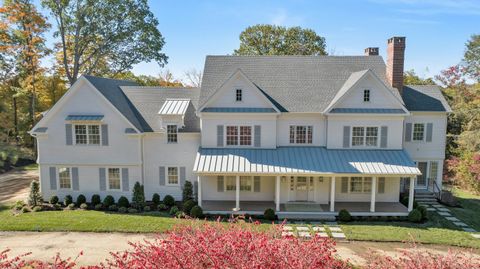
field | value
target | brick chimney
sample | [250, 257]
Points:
[395, 62]
[370, 51]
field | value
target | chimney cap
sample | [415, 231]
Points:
[397, 39]
[371, 51]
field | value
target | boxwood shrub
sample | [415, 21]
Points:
[53, 199]
[415, 216]
[168, 200]
[67, 200]
[196, 212]
[344, 215]
[188, 205]
[123, 202]
[81, 199]
[108, 201]
[269, 214]
[96, 199]
[156, 199]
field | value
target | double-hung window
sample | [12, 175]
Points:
[360, 184]
[239, 135]
[364, 136]
[114, 179]
[172, 136]
[64, 178]
[300, 134]
[418, 131]
[245, 183]
[87, 134]
[230, 183]
[172, 175]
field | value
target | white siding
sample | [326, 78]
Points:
[435, 150]
[209, 191]
[89, 182]
[392, 192]
[160, 153]
[336, 124]
[315, 119]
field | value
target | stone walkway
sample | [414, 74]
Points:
[321, 229]
[447, 214]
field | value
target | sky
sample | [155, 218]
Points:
[436, 30]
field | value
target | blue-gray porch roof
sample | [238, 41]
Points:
[304, 160]
[84, 117]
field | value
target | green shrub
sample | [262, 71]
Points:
[18, 205]
[81, 199]
[26, 209]
[108, 201]
[180, 214]
[34, 197]
[168, 200]
[423, 210]
[344, 215]
[122, 210]
[67, 200]
[123, 202]
[84, 206]
[162, 207]
[112, 208]
[196, 212]
[138, 197]
[71, 206]
[188, 205]
[57, 206]
[404, 201]
[415, 204]
[96, 199]
[173, 210]
[37, 208]
[156, 199]
[53, 199]
[187, 192]
[415, 216]
[146, 208]
[132, 210]
[99, 206]
[269, 214]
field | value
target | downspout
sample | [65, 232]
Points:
[142, 157]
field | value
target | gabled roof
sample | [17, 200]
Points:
[425, 98]
[148, 101]
[292, 83]
[110, 88]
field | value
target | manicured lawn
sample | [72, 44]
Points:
[469, 210]
[435, 231]
[29, 167]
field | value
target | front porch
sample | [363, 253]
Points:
[302, 208]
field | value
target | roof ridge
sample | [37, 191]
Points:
[112, 79]
[295, 56]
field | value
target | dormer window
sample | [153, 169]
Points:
[238, 95]
[366, 95]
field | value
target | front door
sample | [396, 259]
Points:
[302, 189]
[422, 181]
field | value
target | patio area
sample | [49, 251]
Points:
[355, 208]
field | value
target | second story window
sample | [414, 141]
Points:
[239, 135]
[172, 136]
[364, 136]
[366, 95]
[87, 134]
[238, 95]
[301, 134]
[418, 131]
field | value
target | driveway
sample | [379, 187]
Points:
[97, 246]
[14, 185]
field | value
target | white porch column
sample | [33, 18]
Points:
[411, 194]
[372, 197]
[277, 194]
[199, 190]
[332, 195]
[237, 193]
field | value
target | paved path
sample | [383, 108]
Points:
[97, 246]
[14, 185]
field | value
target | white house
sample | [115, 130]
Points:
[305, 135]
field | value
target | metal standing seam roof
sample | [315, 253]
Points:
[84, 117]
[368, 110]
[174, 107]
[41, 130]
[240, 109]
[304, 160]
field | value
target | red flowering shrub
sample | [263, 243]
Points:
[227, 246]
[22, 262]
[415, 259]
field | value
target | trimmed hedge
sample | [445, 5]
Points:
[96, 199]
[269, 214]
[168, 200]
[188, 205]
[344, 215]
[415, 216]
[156, 199]
[123, 202]
[196, 212]
[53, 199]
[81, 199]
[108, 201]
[67, 200]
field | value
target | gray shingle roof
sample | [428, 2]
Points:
[240, 109]
[293, 83]
[369, 110]
[424, 98]
[149, 100]
[304, 160]
[110, 88]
